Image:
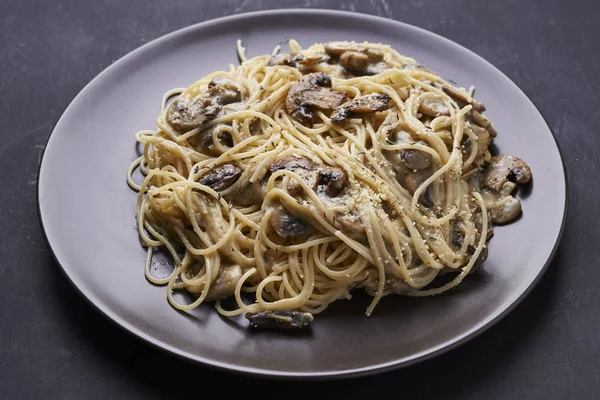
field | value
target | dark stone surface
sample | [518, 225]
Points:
[55, 345]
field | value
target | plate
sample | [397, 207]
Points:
[87, 209]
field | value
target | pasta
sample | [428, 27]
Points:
[288, 181]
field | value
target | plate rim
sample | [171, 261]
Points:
[371, 369]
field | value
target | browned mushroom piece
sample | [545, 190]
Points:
[480, 259]
[312, 92]
[504, 169]
[357, 59]
[364, 104]
[334, 179]
[433, 107]
[302, 166]
[482, 121]
[415, 179]
[416, 159]
[221, 177]
[184, 115]
[336, 50]
[288, 59]
[354, 61]
[349, 223]
[187, 114]
[287, 225]
[205, 137]
[460, 96]
[224, 284]
[507, 212]
[304, 64]
[501, 177]
[483, 140]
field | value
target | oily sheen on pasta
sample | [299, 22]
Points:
[289, 181]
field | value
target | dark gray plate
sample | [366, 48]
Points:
[87, 210]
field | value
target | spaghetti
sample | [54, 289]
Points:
[298, 177]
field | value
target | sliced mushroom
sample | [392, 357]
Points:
[480, 259]
[304, 64]
[482, 121]
[483, 140]
[416, 159]
[220, 178]
[505, 168]
[507, 212]
[288, 59]
[337, 49]
[224, 284]
[287, 225]
[461, 96]
[354, 61]
[187, 114]
[334, 179]
[302, 166]
[364, 104]
[357, 59]
[312, 92]
[415, 179]
[433, 108]
[205, 137]
[349, 223]
[281, 319]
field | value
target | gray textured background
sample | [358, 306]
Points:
[54, 345]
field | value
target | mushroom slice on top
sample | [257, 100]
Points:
[186, 114]
[505, 168]
[364, 104]
[220, 178]
[287, 225]
[501, 177]
[302, 166]
[312, 92]
[357, 59]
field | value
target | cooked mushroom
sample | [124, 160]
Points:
[480, 259]
[504, 169]
[304, 64]
[354, 61]
[433, 107]
[415, 179]
[416, 159]
[288, 59]
[334, 179]
[224, 284]
[286, 225]
[482, 121]
[336, 50]
[282, 319]
[364, 104]
[461, 96]
[187, 114]
[349, 223]
[312, 92]
[205, 137]
[501, 177]
[303, 167]
[507, 212]
[220, 178]
[357, 59]
[483, 142]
